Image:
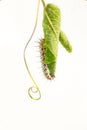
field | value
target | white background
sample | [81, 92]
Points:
[63, 105]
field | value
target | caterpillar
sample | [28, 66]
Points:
[49, 44]
[43, 55]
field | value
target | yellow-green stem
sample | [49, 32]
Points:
[43, 3]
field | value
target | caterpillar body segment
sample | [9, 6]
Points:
[45, 66]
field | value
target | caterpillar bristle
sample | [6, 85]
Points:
[42, 56]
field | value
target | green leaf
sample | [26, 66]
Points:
[65, 42]
[51, 28]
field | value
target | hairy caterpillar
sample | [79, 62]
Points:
[49, 44]
[43, 55]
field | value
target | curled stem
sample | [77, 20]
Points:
[34, 94]
[31, 89]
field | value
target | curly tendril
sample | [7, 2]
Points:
[33, 91]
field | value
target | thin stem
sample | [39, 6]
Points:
[43, 3]
[25, 61]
